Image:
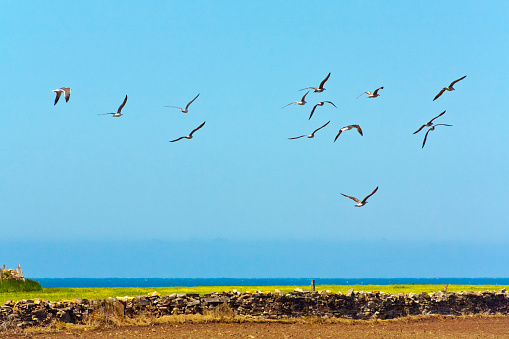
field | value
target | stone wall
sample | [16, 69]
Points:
[10, 273]
[264, 305]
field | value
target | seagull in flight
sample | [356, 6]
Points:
[448, 88]
[301, 102]
[359, 202]
[185, 110]
[312, 135]
[372, 95]
[118, 114]
[432, 128]
[429, 123]
[59, 92]
[190, 136]
[319, 104]
[320, 88]
[347, 128]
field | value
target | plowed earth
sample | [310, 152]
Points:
[463, 327]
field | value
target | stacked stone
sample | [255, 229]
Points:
[263, 305]
[41, 312]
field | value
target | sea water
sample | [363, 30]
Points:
[189, 282]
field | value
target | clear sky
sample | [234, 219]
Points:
[114, 187]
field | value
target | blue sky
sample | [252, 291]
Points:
[71, 176]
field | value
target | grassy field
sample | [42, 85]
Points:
[57, 294]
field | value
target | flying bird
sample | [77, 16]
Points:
[59, 92]
[118, 114]
[312, 135]
[320, 88]
[372, 94]
[347, 128]
[429, 123]
[301, 102]
[190, 136]
[185, 110]
[359, 202]
[448, 88]
[432, 128]
[319, 104]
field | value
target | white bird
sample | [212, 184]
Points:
[448, 88]
[185, 110]
[320, 88]
[59, 92]
[190, 136]
[319, 104]
[359, 202]
[429, 123]
[432, 128]
[118, 114]
[372, 94]
[301, 102]
[347, 128]
[312, 135]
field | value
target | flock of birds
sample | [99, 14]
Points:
[67, 94]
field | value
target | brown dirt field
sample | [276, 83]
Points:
[430, 327]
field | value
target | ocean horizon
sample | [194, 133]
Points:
[191, 282]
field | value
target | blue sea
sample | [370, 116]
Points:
[189, 282]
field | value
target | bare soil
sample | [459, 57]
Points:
[431, 327]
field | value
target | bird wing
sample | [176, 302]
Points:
[197, 128]
[420, 129]
[67, 92]
[106, 113]
[177, 139]
[439, 94]
[302, 100]
[307, 88]
[376, 90]
[425, 137]
[320, 127]
[324, 80]
[123, 104]
[174, 107]
[366, 198]
[455, 81]
[339, 133]
[298, 137]
[59, 93]
[190, 102]
[437, 116]
[312, 111]
[358, 128]
[331, 103]
[442, 125]
[353, 198]
[363, 93]
[294, 102]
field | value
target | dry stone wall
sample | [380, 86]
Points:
[264, 305]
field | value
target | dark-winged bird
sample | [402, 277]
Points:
[190, 136]
[359, 202]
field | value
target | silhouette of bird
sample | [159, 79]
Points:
[320, 88]
[312, 135]
[372, 94]
[185, 110]
[118, 114]
[448, 88]
[190, 136]
[359, 202]
[319, 104]
[347, 128]
[432, 128]
[59, 92]
[429, 123]
[301, 102]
